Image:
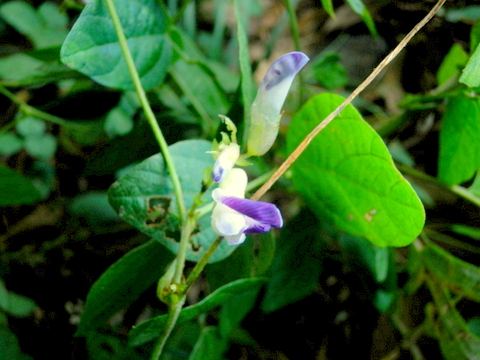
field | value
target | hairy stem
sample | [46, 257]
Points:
[173, 314]
[303, 145]
[148, 110]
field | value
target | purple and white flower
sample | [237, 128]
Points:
[234, 216]
[266, 108]
[225, 161]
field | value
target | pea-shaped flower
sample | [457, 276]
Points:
[266, 108]
[234, 216]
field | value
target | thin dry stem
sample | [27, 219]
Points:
[298, 151]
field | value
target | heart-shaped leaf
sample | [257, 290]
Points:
[92, 46]
[347, 176]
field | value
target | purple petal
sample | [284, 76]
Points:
[218, 172]
[260, 211]
[286, 66]
[255, 226]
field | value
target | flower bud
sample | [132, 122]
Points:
[225, 161]
[266, 108]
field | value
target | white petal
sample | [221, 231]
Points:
[235, 183]
[227, 222]
[235, 239]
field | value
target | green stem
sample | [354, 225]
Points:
[180, 12]
[456, 189]
[293, 23]
[187, 230]
[173, 314]
[30, 110]
[197, 270]
[122, 40]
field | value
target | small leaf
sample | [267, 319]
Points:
[42, 147]
[16, 189]
[31, 126]
[244, 59]
[210, 345]
[459, 157]
[452, 64]
[347, 176]
[45, 27]
[122, 283]
[152, 328]
[329, 72]
[9, 346]
[328, 7]
[471, 73]
[360, 9]
[19, 305]
[92, 46]
[10, 144]
[144, 197]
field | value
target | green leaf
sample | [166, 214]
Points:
[452, 64]
[42, 146]
[202, 91]
[329, 72]
[16, 189]
[234, 311]
[92, 46]
[347, 176]
[328, 7]
[94, 208]
[15, 304]
[244, 59]
[10, 144]
[19, 305]
[119, 120]
[297, 264]
[455, 339]
[122, 283]
[210, 345]
[251, 259]
[145, 198]
[45, 27]
[9, 346]
[475, 36]
[360, 9]
[471, 73]
[151, 329]
[459, 157]
[458, 275]
[31, 126]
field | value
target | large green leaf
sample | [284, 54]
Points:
[459, 157]
[152, 328]
[144, 197]
[92, 46]
[122, 283]
[16, 189]
[347, 176]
